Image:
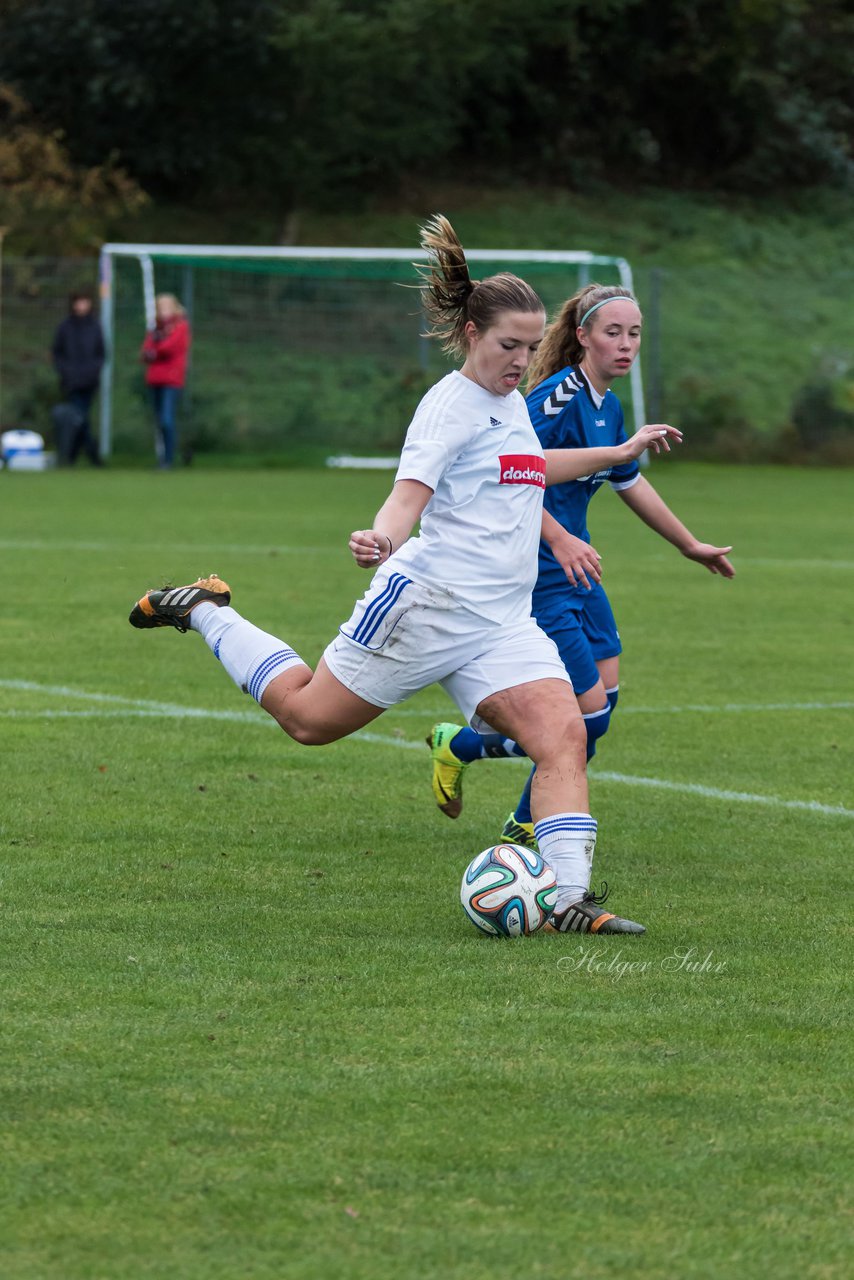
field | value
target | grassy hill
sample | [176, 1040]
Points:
[753, 296]
[748, 323]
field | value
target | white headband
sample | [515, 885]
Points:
[618, 297]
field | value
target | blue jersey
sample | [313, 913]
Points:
[566, 415]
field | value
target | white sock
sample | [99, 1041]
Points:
[251, 656]
[567, 841]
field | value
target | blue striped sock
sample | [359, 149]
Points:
[566, 842]
[596, 723]
[251, 656]
[267, 667]
[468, 745]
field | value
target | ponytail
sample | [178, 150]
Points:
[451, 298]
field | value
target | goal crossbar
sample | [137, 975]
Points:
[571, 256]
[284, 255]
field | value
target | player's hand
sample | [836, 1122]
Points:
[369, 549]
[656, 436]
[714, 558]
[578, 559]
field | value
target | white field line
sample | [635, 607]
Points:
[241, 548]
[778, 562]
[145, 705]
[735, 708]
[139, 713]
[129, 706]
[714, 793]
[184, 548]
[730, 708]
[423, 713]
[450, 713]
[139, 707]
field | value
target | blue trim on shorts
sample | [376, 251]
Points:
[377, 611]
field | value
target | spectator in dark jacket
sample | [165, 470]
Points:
[78, 356]
[164, 352]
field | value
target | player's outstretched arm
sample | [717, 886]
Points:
[572, 464]
[654, 511]
[576, 557]
[393, 524]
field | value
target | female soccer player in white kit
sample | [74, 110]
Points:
[452, 605]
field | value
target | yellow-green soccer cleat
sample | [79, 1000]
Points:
[170, 606]
[448, 770]
[519, 833]
[589, 916]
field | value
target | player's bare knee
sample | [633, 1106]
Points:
[564, 740]
[567, 726]
[575, 734]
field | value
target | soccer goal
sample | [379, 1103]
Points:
[299, 348]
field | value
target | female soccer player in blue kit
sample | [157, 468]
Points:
[594, 340]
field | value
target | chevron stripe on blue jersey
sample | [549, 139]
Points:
[260, 677]
[562, 394]
[380, 607]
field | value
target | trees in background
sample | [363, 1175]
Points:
[50, 201]
[310, 102]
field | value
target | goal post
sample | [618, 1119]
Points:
[299, 345]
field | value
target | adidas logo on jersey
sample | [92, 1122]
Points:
[493, 422]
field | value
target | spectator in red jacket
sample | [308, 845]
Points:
[165, 352]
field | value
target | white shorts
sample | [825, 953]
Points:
[403, 637]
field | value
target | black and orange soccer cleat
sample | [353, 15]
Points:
[588, 916]
[170, 606]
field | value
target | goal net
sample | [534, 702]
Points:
[295, 351]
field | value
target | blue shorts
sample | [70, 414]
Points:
[582, 626]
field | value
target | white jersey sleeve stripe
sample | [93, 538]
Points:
[617, 485]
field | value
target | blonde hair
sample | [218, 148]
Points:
[451, 298]
[177, 309]
[561, 347]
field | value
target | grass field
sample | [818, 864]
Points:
[247, 1031]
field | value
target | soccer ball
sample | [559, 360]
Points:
[508, 890]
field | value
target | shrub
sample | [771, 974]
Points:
[822, 415]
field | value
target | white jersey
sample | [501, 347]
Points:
[480, 531]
